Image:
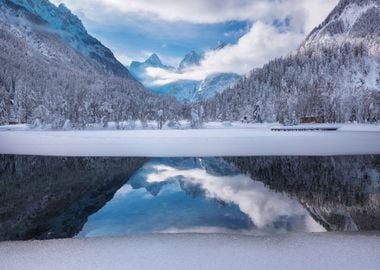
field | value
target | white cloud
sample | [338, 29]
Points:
[170, 60]
[260, 44]
[209, 11]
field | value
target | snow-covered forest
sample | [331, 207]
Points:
[44, 79]
[335, 83]
[53, 72]
[334, 75]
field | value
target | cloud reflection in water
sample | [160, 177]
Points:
[197, 195]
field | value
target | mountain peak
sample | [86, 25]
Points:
[191, 59]
[154, 60]
[64, 10]
[71, 30]
[59, 18]
[138, 69]
[63, 7]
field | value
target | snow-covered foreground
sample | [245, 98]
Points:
[190, 143]
[192, 251]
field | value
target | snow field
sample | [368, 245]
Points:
[192, 251]
[190, 143]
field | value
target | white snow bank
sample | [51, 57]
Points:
[236, 125]
[189, 143]
[138, 125]
[191, 251]
[18, 127]
[359, 127]
[152, 125]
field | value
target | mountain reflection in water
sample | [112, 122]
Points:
[59, 197]
[197, 195]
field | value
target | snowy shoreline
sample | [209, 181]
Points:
[195, 251]
[191, 142]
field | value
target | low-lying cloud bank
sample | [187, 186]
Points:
[261, 43]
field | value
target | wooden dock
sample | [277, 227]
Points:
[305, 128]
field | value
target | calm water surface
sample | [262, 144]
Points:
[55, 197]
[197, 195]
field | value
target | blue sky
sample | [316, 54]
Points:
[171, 41]
[256, 30]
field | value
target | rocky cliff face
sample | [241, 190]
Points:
[51, 197]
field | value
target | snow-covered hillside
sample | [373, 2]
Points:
[354, 21]
[334, 75]
[216, 83]
[183, 90]
[72, 31]
[52, 71]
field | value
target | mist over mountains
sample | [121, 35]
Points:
[183, 90]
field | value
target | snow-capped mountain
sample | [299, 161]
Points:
[351, 21]
[152, 61]
[72, 31]
[56, 72]
[138, 69]
[183, 90]
[190, 59]
[216, 83]
[334, 75]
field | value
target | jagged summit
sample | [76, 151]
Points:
[190, 59]
[138, 68]
[184, 90]
[59, 18]
[154, 60]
